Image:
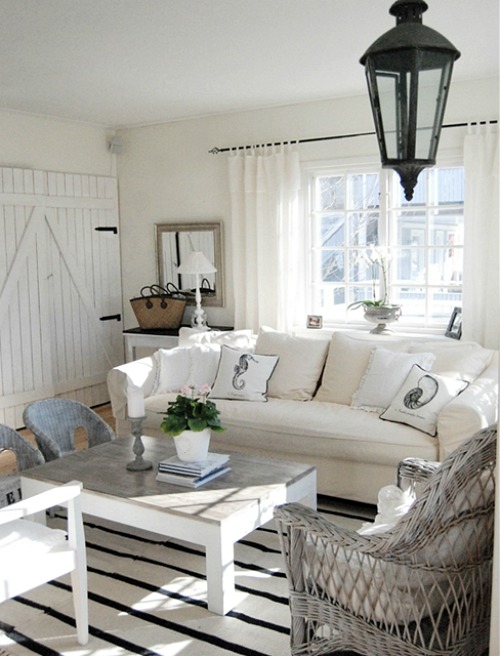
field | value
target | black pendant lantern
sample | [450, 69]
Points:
[408, 70]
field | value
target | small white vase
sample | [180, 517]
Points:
[382, 315]
[192, 446]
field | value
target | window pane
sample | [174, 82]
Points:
[411, 228]
[445, 266]
[331, 192]
[363, 191]
[332, 230]
[449, 184]
[332, 266]
[446, 227]
[363, 229]
[410, 266]
[412, 300]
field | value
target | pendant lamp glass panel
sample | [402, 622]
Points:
[410, 90]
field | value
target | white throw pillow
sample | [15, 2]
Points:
[393, 503]
[386, 372]
[243, 339]
[347, 359]
[242, 376]
[301, 361]
[172, 369]
[464, 360]
[421, 398]
[204, 364]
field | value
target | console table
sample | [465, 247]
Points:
[166, 338]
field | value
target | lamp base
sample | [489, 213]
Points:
[199, 319]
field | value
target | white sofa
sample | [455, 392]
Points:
[322, 399]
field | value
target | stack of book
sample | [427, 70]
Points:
[192, 474]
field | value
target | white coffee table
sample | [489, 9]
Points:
[215, 515]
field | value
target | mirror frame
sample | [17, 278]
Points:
[216, 228]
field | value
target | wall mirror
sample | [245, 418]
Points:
[174, 241]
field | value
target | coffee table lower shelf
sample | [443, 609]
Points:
[214, 516]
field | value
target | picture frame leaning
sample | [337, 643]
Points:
[454, 329]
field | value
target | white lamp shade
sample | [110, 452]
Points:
[196, 262]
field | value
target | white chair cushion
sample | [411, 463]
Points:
[24, 539]
[375, 589]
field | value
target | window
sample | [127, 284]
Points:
[358, 216]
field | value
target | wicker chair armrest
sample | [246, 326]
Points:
[295, 516]
[414, 473]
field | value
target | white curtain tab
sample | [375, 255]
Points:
[265, 228]
[481, 288]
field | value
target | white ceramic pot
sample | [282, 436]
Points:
[192, 446]
[382, 315]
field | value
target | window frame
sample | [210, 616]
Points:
[388, 183]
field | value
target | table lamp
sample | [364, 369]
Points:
[196, 263]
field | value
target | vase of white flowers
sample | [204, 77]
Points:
[189, 420]
[378, 310]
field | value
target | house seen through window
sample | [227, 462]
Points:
[360, 224]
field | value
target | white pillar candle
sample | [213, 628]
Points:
[135, 402]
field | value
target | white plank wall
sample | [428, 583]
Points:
[58, 276]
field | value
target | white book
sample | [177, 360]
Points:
[190, 481]
[175, 465]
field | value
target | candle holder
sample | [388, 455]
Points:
[139, 464]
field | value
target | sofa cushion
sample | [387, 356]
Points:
[466, 360]
[301, 361]
[384, 375]
[324, 430]
[346, 362]
[242, 375]
[172, 369]
[421, 399]
[203, 364]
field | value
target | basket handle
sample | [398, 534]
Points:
[153, 292]
[172, 290]
[205, 284]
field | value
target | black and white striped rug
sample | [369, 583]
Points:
[148, 596]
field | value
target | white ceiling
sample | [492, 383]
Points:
[131, 62]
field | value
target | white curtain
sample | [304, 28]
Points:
[266, 236]
[481, 288]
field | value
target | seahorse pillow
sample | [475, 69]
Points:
[421, 398]
[242, 375]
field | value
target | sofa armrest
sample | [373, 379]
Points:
[474, 409]
[141, 373]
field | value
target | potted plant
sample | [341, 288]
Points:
[189, 420]
[378, 310]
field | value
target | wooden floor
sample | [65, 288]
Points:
[8, 461]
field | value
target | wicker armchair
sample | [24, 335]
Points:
[26, 455]
[55, 421]
[422, 588]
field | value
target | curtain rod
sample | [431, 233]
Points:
[216, 151]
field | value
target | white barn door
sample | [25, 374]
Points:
[60, 288]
